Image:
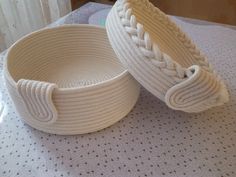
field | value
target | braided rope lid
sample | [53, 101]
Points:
[162, 58]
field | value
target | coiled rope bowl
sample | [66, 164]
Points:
[67, 80]
[162, 58]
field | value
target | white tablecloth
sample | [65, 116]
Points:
[152, 140]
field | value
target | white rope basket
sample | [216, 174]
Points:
[162, 58]
[67, 80]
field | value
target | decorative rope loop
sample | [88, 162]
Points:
[199, 92]
[37, 97]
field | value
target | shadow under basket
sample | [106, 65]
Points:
[67, 80]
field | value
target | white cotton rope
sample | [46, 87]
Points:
[67, 80]
[37, 96]
[162, 58]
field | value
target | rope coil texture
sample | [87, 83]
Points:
[122, 20]
[37, 97]
[92, 89]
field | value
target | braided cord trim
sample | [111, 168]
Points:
[150, 49]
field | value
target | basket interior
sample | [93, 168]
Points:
[69, 56]
[161, 31]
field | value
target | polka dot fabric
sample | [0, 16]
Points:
[152, 140]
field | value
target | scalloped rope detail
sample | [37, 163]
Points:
[199, 92]
[37, 97]
[150, 50]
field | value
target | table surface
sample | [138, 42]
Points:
[151, 140]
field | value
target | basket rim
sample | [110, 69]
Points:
[9, 77]
[125, 7]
